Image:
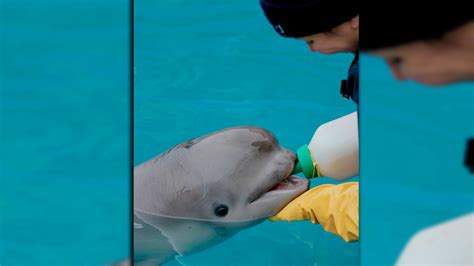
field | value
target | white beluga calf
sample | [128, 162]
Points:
[203, 191]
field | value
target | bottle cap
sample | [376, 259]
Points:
[305, 163]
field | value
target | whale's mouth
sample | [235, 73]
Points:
[292, 186]
[290, 183]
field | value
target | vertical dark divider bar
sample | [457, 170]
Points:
[131, 64]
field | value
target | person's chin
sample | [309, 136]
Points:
[433, 81]
[326, 51]
[436, 84]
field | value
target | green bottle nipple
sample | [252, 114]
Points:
[304, 163]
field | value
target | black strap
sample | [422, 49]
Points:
[469, 157]
[344, 90]
[350, 86]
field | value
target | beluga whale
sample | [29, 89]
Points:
[205, 190]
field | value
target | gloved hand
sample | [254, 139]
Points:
[335, 207]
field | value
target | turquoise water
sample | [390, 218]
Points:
[64, 132]
[201, 66]
[64, 157]
[413, 140]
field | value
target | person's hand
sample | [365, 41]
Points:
[335, 207]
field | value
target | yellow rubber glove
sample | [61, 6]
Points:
[335, 207]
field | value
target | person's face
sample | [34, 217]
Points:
[434, 62]
[424, 62]
[343, 38]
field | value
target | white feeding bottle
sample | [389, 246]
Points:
[333, 152]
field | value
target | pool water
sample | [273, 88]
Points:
[412, 146]
[201, 66]
[64, 132]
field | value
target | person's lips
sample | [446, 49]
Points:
[394, 64]
[396, 72]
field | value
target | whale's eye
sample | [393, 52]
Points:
[221, 210]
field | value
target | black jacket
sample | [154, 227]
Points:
[350, 86]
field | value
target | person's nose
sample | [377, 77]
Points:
[395, 65]
[311, 46]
